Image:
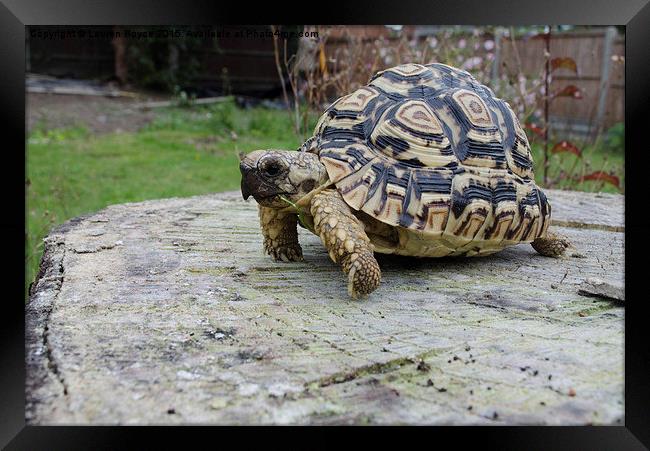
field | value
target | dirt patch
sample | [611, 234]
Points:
[97, 114]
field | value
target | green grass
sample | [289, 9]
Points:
[184, 152]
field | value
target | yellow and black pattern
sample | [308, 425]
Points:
[430, 149]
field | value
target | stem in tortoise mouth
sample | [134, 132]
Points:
[301, 215]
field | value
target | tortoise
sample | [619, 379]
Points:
[423, 161]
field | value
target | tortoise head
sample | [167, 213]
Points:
[269, 175]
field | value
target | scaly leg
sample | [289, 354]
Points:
[552, 245]
[344, 237]
[280, 234]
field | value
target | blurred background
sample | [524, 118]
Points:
[124, 114]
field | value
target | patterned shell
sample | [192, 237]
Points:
[430, 149]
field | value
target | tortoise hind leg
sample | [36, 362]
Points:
[551, 245]
[344, 237]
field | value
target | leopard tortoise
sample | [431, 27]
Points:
[423, 161]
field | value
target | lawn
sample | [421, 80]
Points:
[183, 152]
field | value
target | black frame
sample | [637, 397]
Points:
[634, 14]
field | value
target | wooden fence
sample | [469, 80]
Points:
[229, 63]
[597, 52]
[600, 77]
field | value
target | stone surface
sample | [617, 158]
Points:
[599, 288]
[167, 312]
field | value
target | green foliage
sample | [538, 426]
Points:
[615, 138]
[565, 169]
[269, 125]
[40, 135]
[163, 63]
[182, 98]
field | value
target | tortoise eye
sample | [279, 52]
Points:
[272, 169]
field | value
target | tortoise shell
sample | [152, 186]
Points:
[429, 149]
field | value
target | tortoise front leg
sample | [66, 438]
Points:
[345, 239]
[280, 234]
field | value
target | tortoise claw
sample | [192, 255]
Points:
[364, 276]
[286, 253]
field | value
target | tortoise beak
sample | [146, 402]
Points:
[247, 179]
[244, 190]
[252, 184]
